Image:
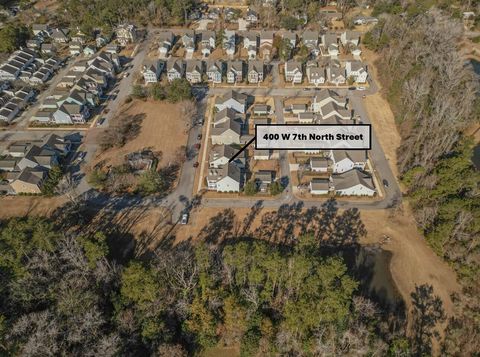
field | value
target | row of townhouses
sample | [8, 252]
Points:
[332, 73]
[197, 71]
[79, 91]
[260, 42]
[12, 102]
[26, 164]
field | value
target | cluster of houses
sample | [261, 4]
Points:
[327, 107]
[345, 174]
[320, 73]
[26, 65]
[24, 167]
[229, 128]
[79, 91]
[229, 14]
[197, 71]
[13, 101]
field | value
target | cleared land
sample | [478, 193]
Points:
[162, 130]
[19, 206]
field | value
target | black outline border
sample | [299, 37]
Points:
[370, 135]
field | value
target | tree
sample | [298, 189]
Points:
[151, 182]
[276, 188]
[97, 179]
[95, 248]
[427, 313]
[12, 37]
[157, 92]
[289, 23]
[250, 188]
[138, 92]
[179, 89]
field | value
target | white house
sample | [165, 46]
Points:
[326, 96]
[352, 37]
[151, 71]
[353, 183]
[226, 133]
[175, 69]
[346, 160]
[316, 75]
[166, 39]
[229, 42]
[194, 71]
[221, 154]
[227, 179]
[320, 186]
[215, 71]
[319, 164]
[207, 42]
[234, 71]
[232, 99]
[293, 72]
[357, 70]
[336, 75]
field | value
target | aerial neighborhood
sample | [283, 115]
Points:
[69, 77]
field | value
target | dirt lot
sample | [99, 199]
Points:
[382, 118]
[19, 206]
[162, 131]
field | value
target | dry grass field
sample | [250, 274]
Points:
[162, 130]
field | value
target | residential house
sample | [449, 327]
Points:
[188, 41]
[71, 113]
[9, 112]
[255, 73]
[320, 186]
[315, 75]
[194, 71]
[213, 13]
[357, 70]
[260, 109]
[79, 37]
[234, 71]
[111, 48]
[175, 69]
[310, 40]
[307, 118]
[346, 160]
[33, 44]
[29, 181]
[48, 49]
[229, 178]
[330, 45]
[325, 96]
[263, 179]
[298, 108]
[266, 44]
[229, 42]
[364, 20]
[353, 183]
[293, 72]
[152, 70]
[229, 14]
[41, 30]
[336, 75]
[233, 100]
[352, 37]
[319, 164]
[224, 115]
[215, 71]
[250, 42]
[101, 40]
[226, 133]
[262, 154]
[60, 35]
[251, 16]
[220, 155]
[89, 51]
[75, 48]
[166, 39]
[207, 42]
[37, 156]
[126, 33]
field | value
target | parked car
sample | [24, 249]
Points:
[100, 121]
[184, 219]
[195, 164]
[385, 183]
[352, 88]
[361, 88]
[199, 137]
[197, 146]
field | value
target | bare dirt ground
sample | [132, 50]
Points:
[19, 206]
[162, 131]
[382, 118]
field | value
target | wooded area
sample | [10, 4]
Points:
[434, 96]
[69, 293]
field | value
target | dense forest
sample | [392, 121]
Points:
[65, 291]
[434, 96]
